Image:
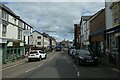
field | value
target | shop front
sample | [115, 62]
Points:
[113, 44]
[12, 50]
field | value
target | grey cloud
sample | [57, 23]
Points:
[56, 18]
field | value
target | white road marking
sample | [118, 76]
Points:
[95, 69]
[114, 69]
[10, 67]
[34, 68]
[74, 65]
[78, 74]
[76, 68]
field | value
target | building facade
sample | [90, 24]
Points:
[46, 43]
[65, 43]
[97, 33]
[84, 26]
[77, 36]
[37, 39]
[26, 34]
[42, 41]
[54, 43]
[112, 11]
[11, 35]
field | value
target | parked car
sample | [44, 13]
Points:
[85, 57]
[37, 54]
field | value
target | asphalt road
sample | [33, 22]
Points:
[59, 65]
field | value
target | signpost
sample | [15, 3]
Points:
[26, 32]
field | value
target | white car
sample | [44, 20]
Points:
[37, 54]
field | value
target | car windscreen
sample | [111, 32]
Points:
[84, 52]
[33, 52]
[41, 52]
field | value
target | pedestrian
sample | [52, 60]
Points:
[107, 54]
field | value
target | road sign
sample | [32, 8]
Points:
[26, 32]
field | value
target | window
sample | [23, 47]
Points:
[19, 33]
[38, 43]
[86, 37]
[4, 15]
[19, 23]
[39, 37]
[14, 20]
[115, 14]
[4, 29]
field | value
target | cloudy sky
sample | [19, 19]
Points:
[55, 18]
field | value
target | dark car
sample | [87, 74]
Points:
[58, 48]
[85, 57]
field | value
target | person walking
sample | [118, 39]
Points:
[107, 51]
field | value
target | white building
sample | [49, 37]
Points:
[86, 33]
[37, 39]
[42, 40]
[11, 35]
[84, 26]
[46, 42]
[26, 34]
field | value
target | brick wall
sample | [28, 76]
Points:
[96, 24]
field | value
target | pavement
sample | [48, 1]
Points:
[111, 66]
[15, 63]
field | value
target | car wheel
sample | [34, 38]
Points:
[40, 58]
[29, 60]
[96, 64]
[45, 56]
[73, 57]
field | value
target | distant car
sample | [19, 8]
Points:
[37, 54]
[58, 48]
[85, 57]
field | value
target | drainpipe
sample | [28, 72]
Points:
[43, 42]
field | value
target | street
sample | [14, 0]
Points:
[58, 65]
